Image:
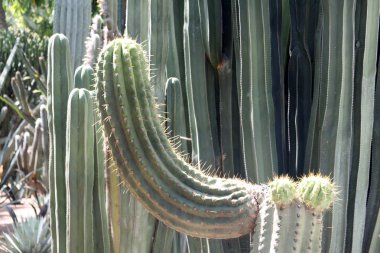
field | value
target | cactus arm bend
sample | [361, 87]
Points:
[173, 191]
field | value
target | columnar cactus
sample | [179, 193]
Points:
[59, 86]
[176, 193]
[80, 172]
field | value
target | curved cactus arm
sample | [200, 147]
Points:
[173, 191]
[176, 193]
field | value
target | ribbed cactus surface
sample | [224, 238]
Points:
[178, 194]
[79, 168]
[59, 86]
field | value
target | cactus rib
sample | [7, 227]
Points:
[173, 191]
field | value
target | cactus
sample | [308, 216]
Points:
[83, 77]
[250, 116]
[59, 85]
[73, 18]
[176, 193]
[290, 217]
[45, 143]
[212, 221]
[80, 172]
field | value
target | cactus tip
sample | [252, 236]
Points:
[283, 190]
[317, 192]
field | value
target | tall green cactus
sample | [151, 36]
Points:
[59, 86]
[80, 172]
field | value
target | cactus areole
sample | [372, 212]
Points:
[172, 190]
[176, 193]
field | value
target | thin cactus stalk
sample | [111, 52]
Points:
[102, 232]
[175, 108]
[35, 147]
[45, 143]
[176, 193]
[59, 86]
[80, 172]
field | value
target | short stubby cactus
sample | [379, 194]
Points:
[283, 190]
[316, 192]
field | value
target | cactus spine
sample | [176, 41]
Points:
[59, 86]
[80, 172]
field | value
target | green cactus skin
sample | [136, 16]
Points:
[59, 85]
[83, 77]
[175, 108]
[137, 20]
[254, 80]
[45, 143]
[80, 172]
[315, 242]
[132, 227]
[287, 221]
[368, 84]
[35, 147]
[283, 191]
[211, 21]
[201, 128]
[176, 127]
[158, 46]
[73, 18]
[264, 230]
[101, 220]
[173, 191]
[316, 192]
